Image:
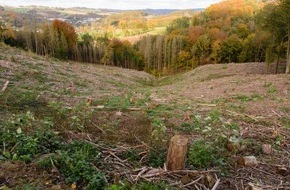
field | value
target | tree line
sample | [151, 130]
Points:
[229, 31]
[60, 40]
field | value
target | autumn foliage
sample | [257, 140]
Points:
[229, 31]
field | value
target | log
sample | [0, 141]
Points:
[177, 153]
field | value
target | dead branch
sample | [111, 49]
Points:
[193, 182]
[216, 184]
[5, 86]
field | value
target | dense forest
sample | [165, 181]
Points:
[229, 31]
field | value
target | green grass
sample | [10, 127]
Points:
[160, 111]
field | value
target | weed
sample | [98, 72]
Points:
[160, 111]
[158, 133]
[267, 84]
[118, 102]
[204, 154]
[194, 124]
[285, 121]
[21, 139]
[25, 187]
[272, 90]
[157, 157]
[76, 118]
[76, 161]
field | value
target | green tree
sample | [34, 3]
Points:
[230, 50]
[275, 18]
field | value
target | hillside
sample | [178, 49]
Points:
[130, 119]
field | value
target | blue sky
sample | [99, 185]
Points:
[115, 4]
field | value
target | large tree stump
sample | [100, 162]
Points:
[177, 153]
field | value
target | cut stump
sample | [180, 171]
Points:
[177, 153]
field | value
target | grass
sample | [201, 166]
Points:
[163, 81]
[216, 76]
[245, 98]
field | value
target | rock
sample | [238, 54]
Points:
[247, 161]
[267, 149]
[118, 113]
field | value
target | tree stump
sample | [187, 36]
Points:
[177, 153]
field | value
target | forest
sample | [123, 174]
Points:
[131, 100]
[231, 31]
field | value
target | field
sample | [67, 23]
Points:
[71, 125]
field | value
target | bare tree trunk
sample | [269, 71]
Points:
[277, 64]
[177, 153]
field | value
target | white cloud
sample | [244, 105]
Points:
[115, 4]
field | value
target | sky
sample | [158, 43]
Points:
[115, 4]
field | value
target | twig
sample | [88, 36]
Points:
[196, 187]
[98, 127]
[276, 113]
[140, 173]
[5, 85]
[193, 182]
[54, 167]
[154, 174]
[251, 117]
[141, 141]
[216, 184]
[119, 159]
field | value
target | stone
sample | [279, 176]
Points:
[267, 149]
[247, 161]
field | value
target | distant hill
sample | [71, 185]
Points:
[166, 11]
